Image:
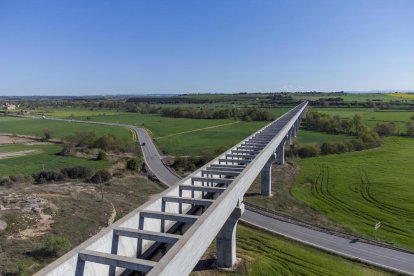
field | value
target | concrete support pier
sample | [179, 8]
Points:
[280, 153]
[226, 239]
[267, 177]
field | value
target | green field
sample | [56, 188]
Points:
[208, 140]
[314, 137]
[268, 254]
[371, 117]
[43, 157]
[349, 97]
[359, 189]
[35, 127]
[74, 112]
[182, 136]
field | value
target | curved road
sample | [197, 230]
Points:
[392, 259]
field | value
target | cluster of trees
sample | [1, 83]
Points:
[335, 124]
[358, 144]
[91, 140]
[364, 137]
[189, 163]
[77, 172]
[204, 112]
[248, 114]
[135, 164]
[167, 100]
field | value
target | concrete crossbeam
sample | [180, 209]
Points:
[218, 172]
[112, 260]
[258, 143]
[146, 235]
[206, 189]
[186, 200]
[241, 155]
[238, 161]
[168, 216]
[238, 168]
[211, 180]
[245, 151]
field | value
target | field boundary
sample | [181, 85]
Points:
[198, 129]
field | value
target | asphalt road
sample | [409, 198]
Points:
[376, 255]
[372, 254]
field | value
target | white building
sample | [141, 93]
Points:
[8, 106]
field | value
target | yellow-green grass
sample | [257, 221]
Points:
[371, 117]
[349, 97]
[269, 254]
[404, 96]
[35, 127]
[43, 157]
[359, 189]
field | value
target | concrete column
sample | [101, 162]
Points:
[226, 239]
[280, 153]
[290, 136]
[267, 177]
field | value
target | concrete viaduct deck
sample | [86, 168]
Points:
[188, 216]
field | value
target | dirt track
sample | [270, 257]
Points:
[10, 154]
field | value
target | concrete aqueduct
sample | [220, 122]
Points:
[170, 233]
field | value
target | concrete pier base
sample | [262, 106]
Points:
[226, 239]
[266, 188]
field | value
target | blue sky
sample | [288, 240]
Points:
[111, 47]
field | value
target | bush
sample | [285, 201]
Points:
[56, 246]
[47, 134]
[385, 129]
[105, 142]
[135, 164]
[5, 181]
[17, 178]
[336, 147]
[48, 176]
[77, 172]
[357, 144]
[23, 267]
[101, 176]
[410, 128]
[307, 151]
[66, 151]
[101, 155]
[370, 137]
[190, 163]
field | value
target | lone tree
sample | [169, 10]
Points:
[100, 177]
[47, 134]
